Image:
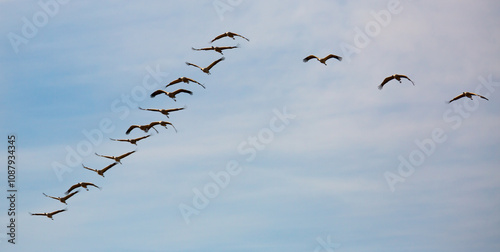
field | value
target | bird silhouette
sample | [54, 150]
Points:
[468, 95]
[101, 171]
[185, 80]
[132, 141]
[171, 94]
[165, 112]
[164, 124]
[218, 49]
[62, 199]
[392, 77]
[322, 60]
[51, 214]
[144, 128]
[228, 34]
[206, 69]
[117, 158]
[81, 184]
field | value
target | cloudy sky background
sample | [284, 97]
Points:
[319, 179]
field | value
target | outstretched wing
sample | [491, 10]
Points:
[306, 59]
[169, 123]
[480, 96]
[41, 214]
[179, 80]
[152, 124]
[191, 64]
[155, 110]
[73, 187]
[157, 92]
[108, 167]
[182, 91]
[91, 184]
[227, 47]
[119, 140]
[218, 37]
[70, 195]
[458, 97]
[89, 168]
[125, 155]
[385, 81]
[104, 156]
[50, 196]
[58, 211]
[131, 128]
[174, 109]
[333, 56]
[406, 77]
[140, 138]
[202, 49]
[234, 34]
[214, 63]
[191, 80]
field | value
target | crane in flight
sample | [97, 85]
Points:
[392, 77]
[117, 159]
[81, 184]
[206, 69]
[132, 141]
[101, 171]
[171, 94]
[51, 214]
[218, 49]
[163, 123]
[62, 199]
[468, 95]
[228, 34]
[144, 128]
[165, 112]
[185, 80]
[322, 60]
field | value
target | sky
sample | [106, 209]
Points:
[275, 154]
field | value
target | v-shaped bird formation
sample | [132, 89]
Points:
[174, 95]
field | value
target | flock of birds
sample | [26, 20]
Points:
[173, 95]
[147, 127]
[397, 77]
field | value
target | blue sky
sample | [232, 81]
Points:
[287, 156]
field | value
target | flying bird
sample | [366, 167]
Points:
[164, 111]
[49, 215]
[322, 60]
[62, 199]
[117, 158]
[392, 77]
[206, 69]
[185, 80]
[468, 95]
[163, 123]
[103, 170]
[171, 94]
[218, 49]
[81, 184]
[132, 141]
[144, 128]
[228, 34]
